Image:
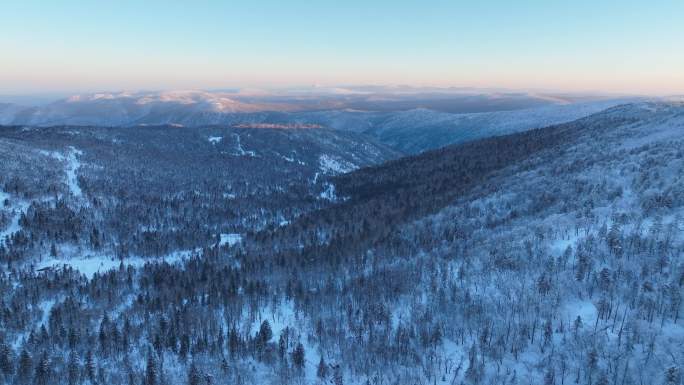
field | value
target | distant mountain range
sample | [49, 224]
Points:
[405, 119]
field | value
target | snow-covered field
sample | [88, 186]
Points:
[89, 265]
[215, 139]
[332, 165]
[230, 239]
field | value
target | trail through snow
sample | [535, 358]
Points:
[240, 150]
[72, 165]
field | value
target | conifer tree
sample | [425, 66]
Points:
[298, 356]
[322, 370]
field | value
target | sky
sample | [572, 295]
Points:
[83, 45]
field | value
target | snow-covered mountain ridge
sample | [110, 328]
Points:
[411, 130]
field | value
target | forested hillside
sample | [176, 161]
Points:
[151, 191]
[551, 256]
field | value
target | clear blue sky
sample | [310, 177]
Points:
[71, 45]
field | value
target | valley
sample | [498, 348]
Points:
[537, 251]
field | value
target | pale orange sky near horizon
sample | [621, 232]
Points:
[76, 46]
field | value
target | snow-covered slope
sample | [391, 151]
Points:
[418, 130]
[9, 112]
[560, 241]
[125, 109]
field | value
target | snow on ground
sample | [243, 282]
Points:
[285, 315]
[45, 307]
[559, 246]
[662, 123]
[72, 164]
[292, 159]
[13, 225]
[16, 207]
[329, 192]
[333, 165]
[90, 265]
[472, 125]
[230, 239]
[215, 139]
[584, 309]
[456, 358]
[240, 150]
